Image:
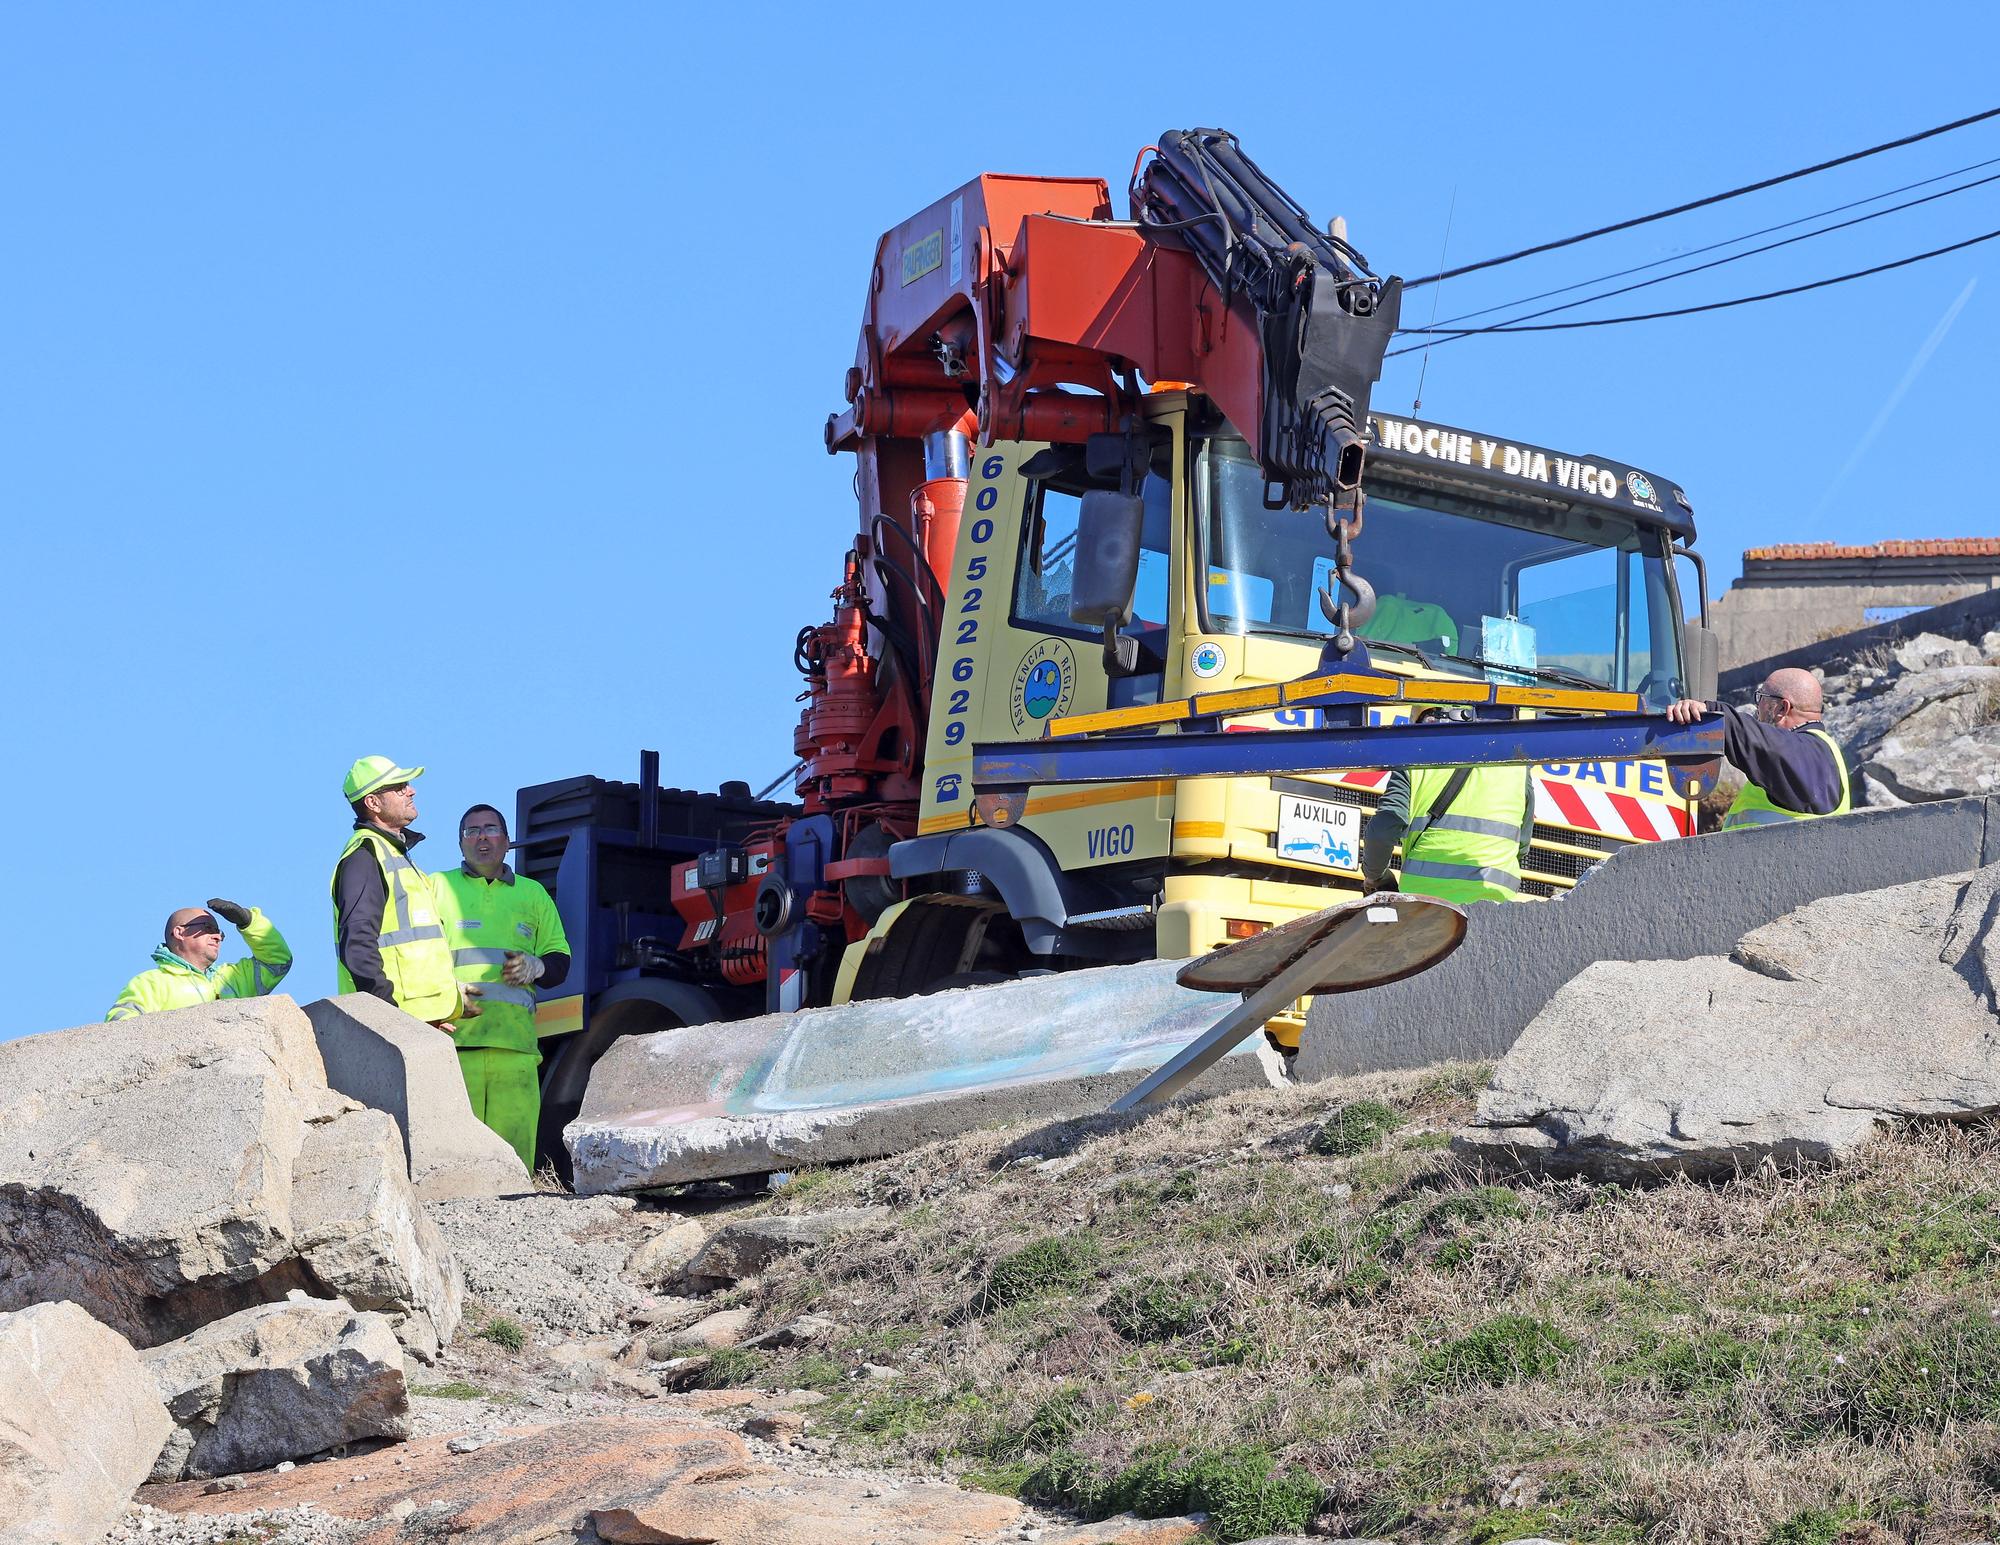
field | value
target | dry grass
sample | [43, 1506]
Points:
[1429, 1353]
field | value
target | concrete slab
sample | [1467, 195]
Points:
[867, 1079]
[377, 1054]
[1656, 901]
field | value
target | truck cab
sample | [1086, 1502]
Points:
[1491, 559]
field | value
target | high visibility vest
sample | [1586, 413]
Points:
[415, 957]
[175, 984]
[484, 919]
[1753, 807]
[1473, 851]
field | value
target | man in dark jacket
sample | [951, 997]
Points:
[1795, 769]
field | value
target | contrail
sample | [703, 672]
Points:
[1923, 358]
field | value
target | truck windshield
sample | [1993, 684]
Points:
[1511, 586]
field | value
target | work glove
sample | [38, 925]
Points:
[233, 911]
[469, 1006]
[521, 969]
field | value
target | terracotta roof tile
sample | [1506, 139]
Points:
[1945, 547]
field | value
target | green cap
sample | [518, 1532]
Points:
[375, 772]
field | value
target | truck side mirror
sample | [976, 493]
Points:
[1701, 658]
[1106, 570]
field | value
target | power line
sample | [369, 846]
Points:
[1682, 273]
[1715, 246]
[1703, 203]
[1723, 305]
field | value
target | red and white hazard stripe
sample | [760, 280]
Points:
[1561, 803]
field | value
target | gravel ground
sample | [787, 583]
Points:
[522, 1257]
[144, 1525]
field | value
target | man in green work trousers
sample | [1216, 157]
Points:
[387, 938]
[506, 940]
[185, 970]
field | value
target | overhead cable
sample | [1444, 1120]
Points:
[1724, 305]
[1703, 203]
[1716, 246]
[1681, 273]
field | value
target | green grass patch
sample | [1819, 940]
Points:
[1517, 1523]
[1470, 1209]
[1964, 1235]
[1921, 1377]
[457, 1389]
[1813, 1526]
[1505, 1350]
[804, 1183]
[1153, 1309]
[1005, 1480]
[503, 1332]
[1239, 1489]
[1056, 1263]
[1184, 1186]
[730, 1368]
[1352, 1129]
[1706, 1363]
[818, 1371]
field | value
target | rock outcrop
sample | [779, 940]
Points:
[170, 1170]
[738, 1250]
[635, 1479]
[363, 1235]
[1920, 720]
[390, 1061]
[281, 1381]
[1822, 1025]
[80, 1426]
[99, 1202]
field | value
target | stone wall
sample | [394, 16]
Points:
[1755, 621]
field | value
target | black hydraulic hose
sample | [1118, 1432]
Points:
[928, 613]
[899, 648]
[926, 655]
[921, 564]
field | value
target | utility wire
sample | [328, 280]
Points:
[1741, 300]
[1715, 246]
[1436, 295]
[1682, 273]
[1703, 203]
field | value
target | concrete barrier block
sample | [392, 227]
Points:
[377, 1054]
[861, 1080]
[1656, 901]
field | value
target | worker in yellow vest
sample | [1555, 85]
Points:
[1795, 769]
[506, 942]
[1464, 830]
[387, 937]
[185, 970]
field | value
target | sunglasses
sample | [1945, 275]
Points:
[200, 925]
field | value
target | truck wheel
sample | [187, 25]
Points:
[631, 1008]
[939, 940]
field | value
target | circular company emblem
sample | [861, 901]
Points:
[1207, 660]
[1641, 488]
[1044, 682]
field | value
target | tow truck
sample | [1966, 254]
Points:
[1104, 680]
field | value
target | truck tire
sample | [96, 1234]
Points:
[940, 940]
[631, 1008]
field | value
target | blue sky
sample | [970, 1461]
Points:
[447, 381]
